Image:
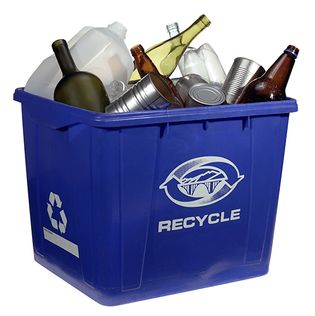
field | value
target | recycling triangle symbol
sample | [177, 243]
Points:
[54, 206]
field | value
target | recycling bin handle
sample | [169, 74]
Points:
[52, 114]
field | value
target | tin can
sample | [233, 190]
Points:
[150, 93]
[184, 84]
[205, 94]
[195, 91]
[242, 72]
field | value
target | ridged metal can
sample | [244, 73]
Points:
[150, 93]
[242, 72]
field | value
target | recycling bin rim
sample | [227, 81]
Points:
[58, 115]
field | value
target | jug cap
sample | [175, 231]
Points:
[118, 29]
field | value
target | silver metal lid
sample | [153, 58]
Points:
[184, 84]
[206, 94]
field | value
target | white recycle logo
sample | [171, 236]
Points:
[55, 203]
[201, 181]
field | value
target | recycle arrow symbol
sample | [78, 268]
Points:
[54, 201]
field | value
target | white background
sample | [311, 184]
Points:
[256, 29]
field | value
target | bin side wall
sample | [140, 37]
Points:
[154, 210]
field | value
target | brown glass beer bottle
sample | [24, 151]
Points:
[145, 65]
[271, 85]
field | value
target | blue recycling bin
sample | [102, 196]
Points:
[132, 206]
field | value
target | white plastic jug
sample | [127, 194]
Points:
[101, 51]
[204, 62]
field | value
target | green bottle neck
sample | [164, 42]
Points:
[191, 32]
[64, 58]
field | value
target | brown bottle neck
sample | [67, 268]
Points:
[137, 51]
[281, 70]
[142, 61]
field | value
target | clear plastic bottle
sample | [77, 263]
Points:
[193, 64]
[101, 51]
[212, 64]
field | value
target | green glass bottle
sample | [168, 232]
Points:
[167, 54]
[77, 88]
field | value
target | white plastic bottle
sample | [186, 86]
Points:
[212, 64]
[204, 62]
[101, 51]
[193, 64]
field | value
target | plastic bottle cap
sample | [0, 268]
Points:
[118, 29]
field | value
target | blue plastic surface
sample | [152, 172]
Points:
[132, 206]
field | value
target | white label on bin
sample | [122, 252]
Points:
[61, 242]
[59, 222]
[201, 181]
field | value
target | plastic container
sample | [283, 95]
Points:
[101, 51]
[132, 206]
[204, 62]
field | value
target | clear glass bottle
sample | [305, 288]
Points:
[173, 30]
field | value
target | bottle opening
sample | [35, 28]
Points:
[172, 26]
[204, 20]
[58, 43]
[292, 50]
[135, 50]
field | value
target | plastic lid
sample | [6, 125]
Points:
[118, 29]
